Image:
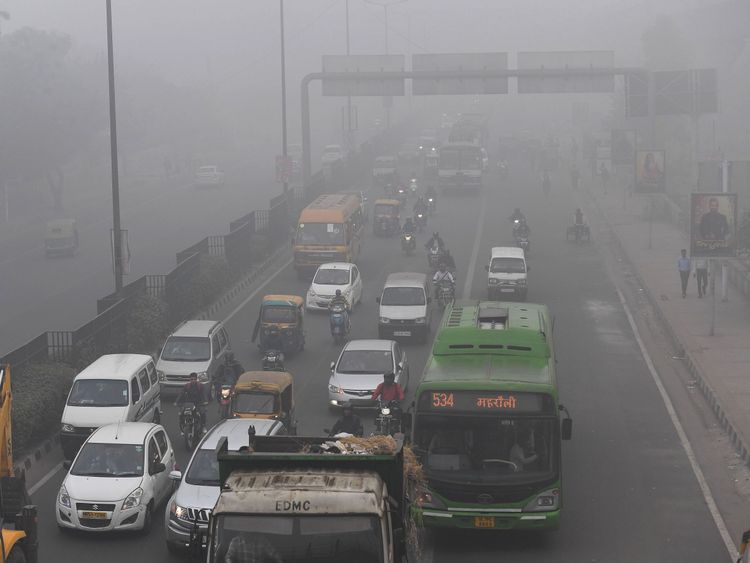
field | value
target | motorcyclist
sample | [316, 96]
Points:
[517, 215]
[420, 205]
[340, 300]
[348, 422]
[575, 176]
[578, 218]
[431, 193]
[193, 392]
[228, 372]
[435, 239]
[522, 229]
[441, 276]
[389, 390]
[408, 228]
[546, 182]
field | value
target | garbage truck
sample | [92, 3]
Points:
[18, 518]
[306, 499]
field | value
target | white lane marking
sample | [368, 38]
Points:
[257, 290]
[43, 481]
[702, 483]
[474, 253]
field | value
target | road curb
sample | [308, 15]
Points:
[691, 363]
[37, 454]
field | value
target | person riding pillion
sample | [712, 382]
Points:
[193, 392]
[228, 372]
[348, 422]
[435, 239]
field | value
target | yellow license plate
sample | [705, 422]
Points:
[94, 515]
[484, 521]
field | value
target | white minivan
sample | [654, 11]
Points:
[507, 273]
[114, 388]
[405, 307]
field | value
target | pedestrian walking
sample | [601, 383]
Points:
[683, 265]
[604, 173]
[701, 275]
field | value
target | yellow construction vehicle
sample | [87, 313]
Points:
[18, 518]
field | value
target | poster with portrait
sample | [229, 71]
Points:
[650, 170]
[713, 225]
[623, 146]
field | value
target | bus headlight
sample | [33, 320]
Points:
[420, 320]
[425, 499]
[384, 320]
[544, 502]
[493, 281]
[203, 376]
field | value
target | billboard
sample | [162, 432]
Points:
[456, 62]
[357, 85]
[713, 225]
[623, 146]
[650, 170]
[569, 72]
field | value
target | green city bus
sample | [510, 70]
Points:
[487, 424]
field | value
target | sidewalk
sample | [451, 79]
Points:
[719, 363]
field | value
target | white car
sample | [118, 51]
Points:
[209, 176]
[330, 277]
[118, 479]
[331, 154]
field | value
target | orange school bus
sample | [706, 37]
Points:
[329, 230]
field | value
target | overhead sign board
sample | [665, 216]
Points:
[685, 92]
[357, 85]
[460, 62]
[636, 94]
[563, 77]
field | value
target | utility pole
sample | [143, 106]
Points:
[116, 229]
[349, 134]
[283, 98]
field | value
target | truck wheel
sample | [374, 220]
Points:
[16, 555]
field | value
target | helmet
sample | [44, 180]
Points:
[389, 377]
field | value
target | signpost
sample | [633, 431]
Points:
[569, 61]
[460, 61]
[354, 64]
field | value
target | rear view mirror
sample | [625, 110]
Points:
[66, 464]
[377, 300]
[175, 475]
[333, 366]
[567, 428]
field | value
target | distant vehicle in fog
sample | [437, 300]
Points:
[209, 176]
[331, 154]
[61, 238]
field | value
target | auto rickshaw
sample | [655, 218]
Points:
[386, 217]
[265, 394]
[280, 323]
[61, 238]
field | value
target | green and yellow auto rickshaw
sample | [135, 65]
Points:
[280, 324]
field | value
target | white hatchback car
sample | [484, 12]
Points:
[330, 277]
[118, 479]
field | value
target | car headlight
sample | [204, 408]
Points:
[311, 293]
[69, 428]
[420, 320]
[384, 320]
[493, 281]
[546, 501]
[133, 499]
[203, 376]
[178, 512]
[522, 281]
[64, 497]
[160, 375]
[334, 389]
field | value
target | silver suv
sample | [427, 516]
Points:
[196, 346]
[199, 488]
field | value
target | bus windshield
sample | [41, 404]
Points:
[476, 449]
[340, 538]
[327, 234]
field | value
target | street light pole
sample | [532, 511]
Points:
[283, 99]
[349, 143]
[116, 229]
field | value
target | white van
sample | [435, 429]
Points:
[115, 388]
[507, 273]
[405, 306]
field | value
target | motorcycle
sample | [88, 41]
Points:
[522, 242]
[446, 292]
[413, 187]
[190, 426]
[401, 195]
[431, 206]
[502, 167]
[434, 253]
[273, 360]
[420, 221]
[388, 419]
[339, 323]
[225, 402]
[408, 243]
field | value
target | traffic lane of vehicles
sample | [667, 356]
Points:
[37, 293]
[310, 368]
[624, 468]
